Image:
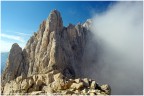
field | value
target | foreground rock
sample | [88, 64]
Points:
[56, 84]
[50, 62]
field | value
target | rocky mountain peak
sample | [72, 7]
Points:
[14, 65]
[16, 49]
[50, 61]
[88, 23]
[54, 21]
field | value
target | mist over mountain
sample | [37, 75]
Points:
[115, 51]
[101, 56]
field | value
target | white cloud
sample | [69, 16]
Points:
[6, 45]
[23, 34]
[121, 28]
[12, 37]
[119, 34]
[7, 40]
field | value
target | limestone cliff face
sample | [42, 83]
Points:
[52, 47]
[55, 47]
[14, 66]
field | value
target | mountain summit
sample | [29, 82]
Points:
[50, 61]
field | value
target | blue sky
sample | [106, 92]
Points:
[20, 19]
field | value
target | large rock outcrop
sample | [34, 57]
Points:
[54, 83]
[53, 49]
[14, 65]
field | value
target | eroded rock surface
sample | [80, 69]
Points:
[50, 61]
[54, 83]
[14, 65]
[55, 47]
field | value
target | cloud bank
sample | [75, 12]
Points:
[116, 51]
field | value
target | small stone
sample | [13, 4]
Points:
[105, 87]
[25, 84]
[15, 86]
[77, 91]
[58, 85]
[35, 87]
[98, 93]
[35, 77]
[86, 82]
[93, 84]
[77, 80]
[103, 93]
[90, 80]
[48, 89]
[49, 78]
[84, 91]
[92, 91]
[36, 92]
[72, 89]
[77, 86]
[30, 81]
[68, 84]
[58, 76]
[92, 94]
[20, 78]
[39, 82]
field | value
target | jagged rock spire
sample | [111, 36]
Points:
[52, 47]
[54, 21]
[14, 63]
[50, 61]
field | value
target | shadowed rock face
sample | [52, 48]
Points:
[52, 47]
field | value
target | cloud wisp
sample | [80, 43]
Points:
[23, 34]
[12, 37]
[7, 40]
[116, 49]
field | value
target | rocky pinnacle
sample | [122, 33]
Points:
[50, 61]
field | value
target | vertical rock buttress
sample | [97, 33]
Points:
[52, 47]
[51, 61]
